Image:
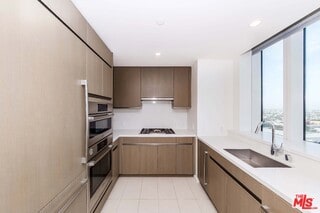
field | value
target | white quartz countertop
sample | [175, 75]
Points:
[286, 182]
[135, 133]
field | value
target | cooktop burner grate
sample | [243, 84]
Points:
[157, 131]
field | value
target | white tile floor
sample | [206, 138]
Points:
[159, 195]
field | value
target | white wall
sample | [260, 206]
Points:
[244, 92]
[214, 96]
[160, 114]
[192, 114]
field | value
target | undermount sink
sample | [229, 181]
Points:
[256, 159]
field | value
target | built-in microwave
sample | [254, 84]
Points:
[100, 120]
[99, 106]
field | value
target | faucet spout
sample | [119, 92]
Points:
[274, 148]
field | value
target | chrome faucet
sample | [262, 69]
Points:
[274, 147]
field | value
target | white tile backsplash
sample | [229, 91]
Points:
[159, 114]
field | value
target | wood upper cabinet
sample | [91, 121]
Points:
[94, 72]
[67, 12]
[126, 92]
[156, 82]
[107, 84]
[98, 45]
[182, 87]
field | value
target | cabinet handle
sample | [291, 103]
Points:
[204, 168]
[84, 83]
[265, 209]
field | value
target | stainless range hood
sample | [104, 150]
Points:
[156, 99]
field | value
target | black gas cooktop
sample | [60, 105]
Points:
[157, 131]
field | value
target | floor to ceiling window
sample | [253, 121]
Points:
[312, 83]
[272, 86]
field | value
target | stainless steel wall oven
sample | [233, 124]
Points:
[99, 148]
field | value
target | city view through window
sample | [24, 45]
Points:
[312, 83]
[272, 86]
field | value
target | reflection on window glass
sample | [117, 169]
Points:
[272, 86]
[312, 83]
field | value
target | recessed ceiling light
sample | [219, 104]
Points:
[158, 54]
[255, 23]
[160, 21]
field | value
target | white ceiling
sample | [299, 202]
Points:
[193, 28]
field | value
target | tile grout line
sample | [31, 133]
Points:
[174, 187]
[138, 210]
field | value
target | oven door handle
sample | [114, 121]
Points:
[99, 118]
[94, 162]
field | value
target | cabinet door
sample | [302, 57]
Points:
[126, 92]
[182, 87]
[79, 204]
[107, 81]
[130, 159]
[202, 162]
[216, 188]
[41, 64]
[185, 156]
[94, 73]
[157, 82]
[148, 159]
[239, 200]
[167, 159]
[276, 203]
[70, 15]
[115, 162]
[98, 45]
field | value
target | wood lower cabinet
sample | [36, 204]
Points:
[115, 161]
[156, 156]
[185, 162]
[182, 87]
[157, 82]
[148, 159]
[167, 159]
[79, 204]
[201, 162]
[239, 200]
[216, 180]
[126, 93]
[274, 203]
[130, 159]
[231, 190]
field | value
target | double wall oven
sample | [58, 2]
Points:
[100, 113]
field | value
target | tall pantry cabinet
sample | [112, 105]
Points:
[42, 107]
